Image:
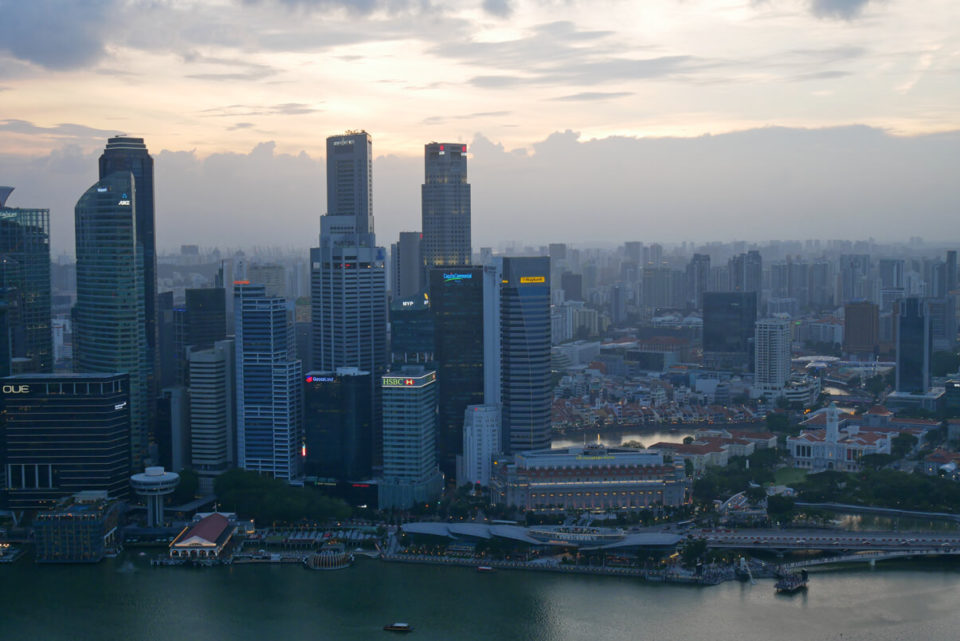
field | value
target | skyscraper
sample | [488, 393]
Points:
[213, 427]
[410, 473]
[698, 279]
[771, 356]
[130, 155]
[861, 329]
[269, 393]
[338, 425]
[526, 393]
[350, 178]
[914, 347]
[110, 334]
[456, 298]
[406, 269]
[728, 324]
[445, 201]
[347, 272]
[25, 274]
[481, 442]
[64, 433]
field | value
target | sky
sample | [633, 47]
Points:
[599, 121]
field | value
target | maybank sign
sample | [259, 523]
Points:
[529, 280]
[449, 278]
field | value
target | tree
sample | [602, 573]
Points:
[693, 550]
[780, 508]
[875, 385]
[756, 494]
[688, 467]
[902, 444]
[186, 489]
[687, 440]
[705, 489]
[778, 422]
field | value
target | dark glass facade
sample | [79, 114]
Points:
[338, 426]
[206, 317]
[456, 300]
[411, 330]
[526, 389]
[914, 346]
[728, 326]
[350, 178]
[110, 334]
[25, 273]
[65, 433]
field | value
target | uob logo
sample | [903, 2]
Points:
[16, 389]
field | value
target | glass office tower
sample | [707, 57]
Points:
[25, 274]
[445, 203]
[110, 334]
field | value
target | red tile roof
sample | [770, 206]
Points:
[209, 528]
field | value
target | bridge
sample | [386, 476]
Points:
[909, 543]
[868, 557]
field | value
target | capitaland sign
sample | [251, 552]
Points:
[449, 278]
[6, 215]
[16, 389]
[529, 280]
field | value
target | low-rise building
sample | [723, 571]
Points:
[80, 529]
[206, 538]
[835, 449]
[942, 463]
[588, 478]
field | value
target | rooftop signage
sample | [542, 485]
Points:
[408, 381]
[528, 280]
[452, 277]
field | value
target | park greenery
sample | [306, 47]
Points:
[272, 501]
[882, 488]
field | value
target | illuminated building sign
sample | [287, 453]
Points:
[241, 282]
[320, 379]
[8, 214]
[16, 389]
[337, 143]
[120, 406]
[526, 280]
[407, 381]
[124, 202]
[449, 278]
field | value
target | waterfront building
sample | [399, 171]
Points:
[445, 195]
[914, 347]
[588, 478]
[481, 443]
[63, 434]
[110, 329]
[771, 356]
[350, 179]
[82, 528]
[25, 276]
[213, 427]
[205, 538]
[269, 394]
[338, 425]
[526, 391]
[154, 484]
[456, 298]
[410, 472]
[728, 329]
[406, 267]
[129, 156]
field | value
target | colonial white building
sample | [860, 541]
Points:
[835, 449]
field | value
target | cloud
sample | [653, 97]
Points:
[240, 125]
[63, 130]
[499, 8]
[437, 120]
[821, 75]
[57, 34]
[842, 9]
[282, 109]
[593, 95]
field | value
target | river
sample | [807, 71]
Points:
[127, 599]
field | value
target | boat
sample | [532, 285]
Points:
[484, 568]
[398, 627]
[792, 582]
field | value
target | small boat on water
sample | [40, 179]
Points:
[792, 582]
[398, 627]
[484, 568]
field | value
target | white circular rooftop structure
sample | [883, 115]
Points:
[154, 480]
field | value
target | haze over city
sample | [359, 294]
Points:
[688, 120]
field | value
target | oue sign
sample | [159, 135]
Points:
[16, 389]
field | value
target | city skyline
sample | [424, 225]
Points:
[801, 134]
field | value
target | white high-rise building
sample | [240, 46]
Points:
[771, 356]
[212, 412]
[481, 442]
